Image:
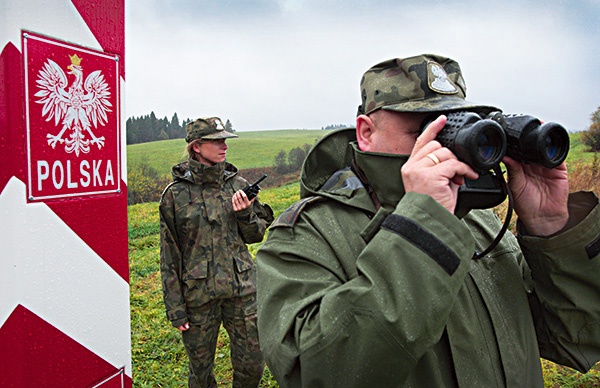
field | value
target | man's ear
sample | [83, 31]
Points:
[365, 129]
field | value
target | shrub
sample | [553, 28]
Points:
[281, 162]
[296, 158]
[292, 162]
[591, 137]
[144, 184]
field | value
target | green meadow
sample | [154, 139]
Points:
[250, 150]
[158, 356]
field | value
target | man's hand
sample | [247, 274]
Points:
[540, 196]
[434, 170]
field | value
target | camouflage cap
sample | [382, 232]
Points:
[208, 128]
[424, 83]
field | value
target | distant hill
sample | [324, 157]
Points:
[251, 150]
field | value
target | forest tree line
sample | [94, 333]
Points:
[149, 128]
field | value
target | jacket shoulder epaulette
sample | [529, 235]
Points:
[289, 217]
[167, 188]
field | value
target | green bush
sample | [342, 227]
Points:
[144, 184]
[591, 137]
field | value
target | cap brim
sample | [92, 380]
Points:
[439, 104]
[220, 135]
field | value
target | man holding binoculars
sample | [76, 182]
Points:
[392, 271]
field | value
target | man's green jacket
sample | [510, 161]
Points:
[354, 296]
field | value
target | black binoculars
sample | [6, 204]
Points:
[482, 141]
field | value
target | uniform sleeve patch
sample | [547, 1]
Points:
[422, 239]
[289, 216]
[593, 249]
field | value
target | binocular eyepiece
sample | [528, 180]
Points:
[482, 142]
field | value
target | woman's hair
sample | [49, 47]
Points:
[190, 147]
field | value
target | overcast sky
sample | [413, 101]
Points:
[279, 64]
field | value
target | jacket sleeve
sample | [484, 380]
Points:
[320, 326]
[171, 262]
[566, 273]
[254, 221]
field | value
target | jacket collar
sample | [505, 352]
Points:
[337, 169]
[198, 173]
[202, 173]
[382, 173]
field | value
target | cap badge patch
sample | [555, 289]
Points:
[438, 79]
[216, 123]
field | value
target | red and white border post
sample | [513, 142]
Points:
[64, 277]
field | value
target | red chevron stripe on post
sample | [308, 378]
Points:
[64, 277]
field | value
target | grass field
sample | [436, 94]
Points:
[157, 353]
[251, 149]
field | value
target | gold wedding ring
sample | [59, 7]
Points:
[433, 158]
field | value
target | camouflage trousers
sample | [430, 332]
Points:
[238, 316]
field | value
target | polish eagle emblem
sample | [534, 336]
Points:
[76, 107]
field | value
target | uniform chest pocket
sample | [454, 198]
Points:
[195, 287]
[217, 205]
[243, 263]
[245, 273]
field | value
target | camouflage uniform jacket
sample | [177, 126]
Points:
[354, 296]
[203, 241]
